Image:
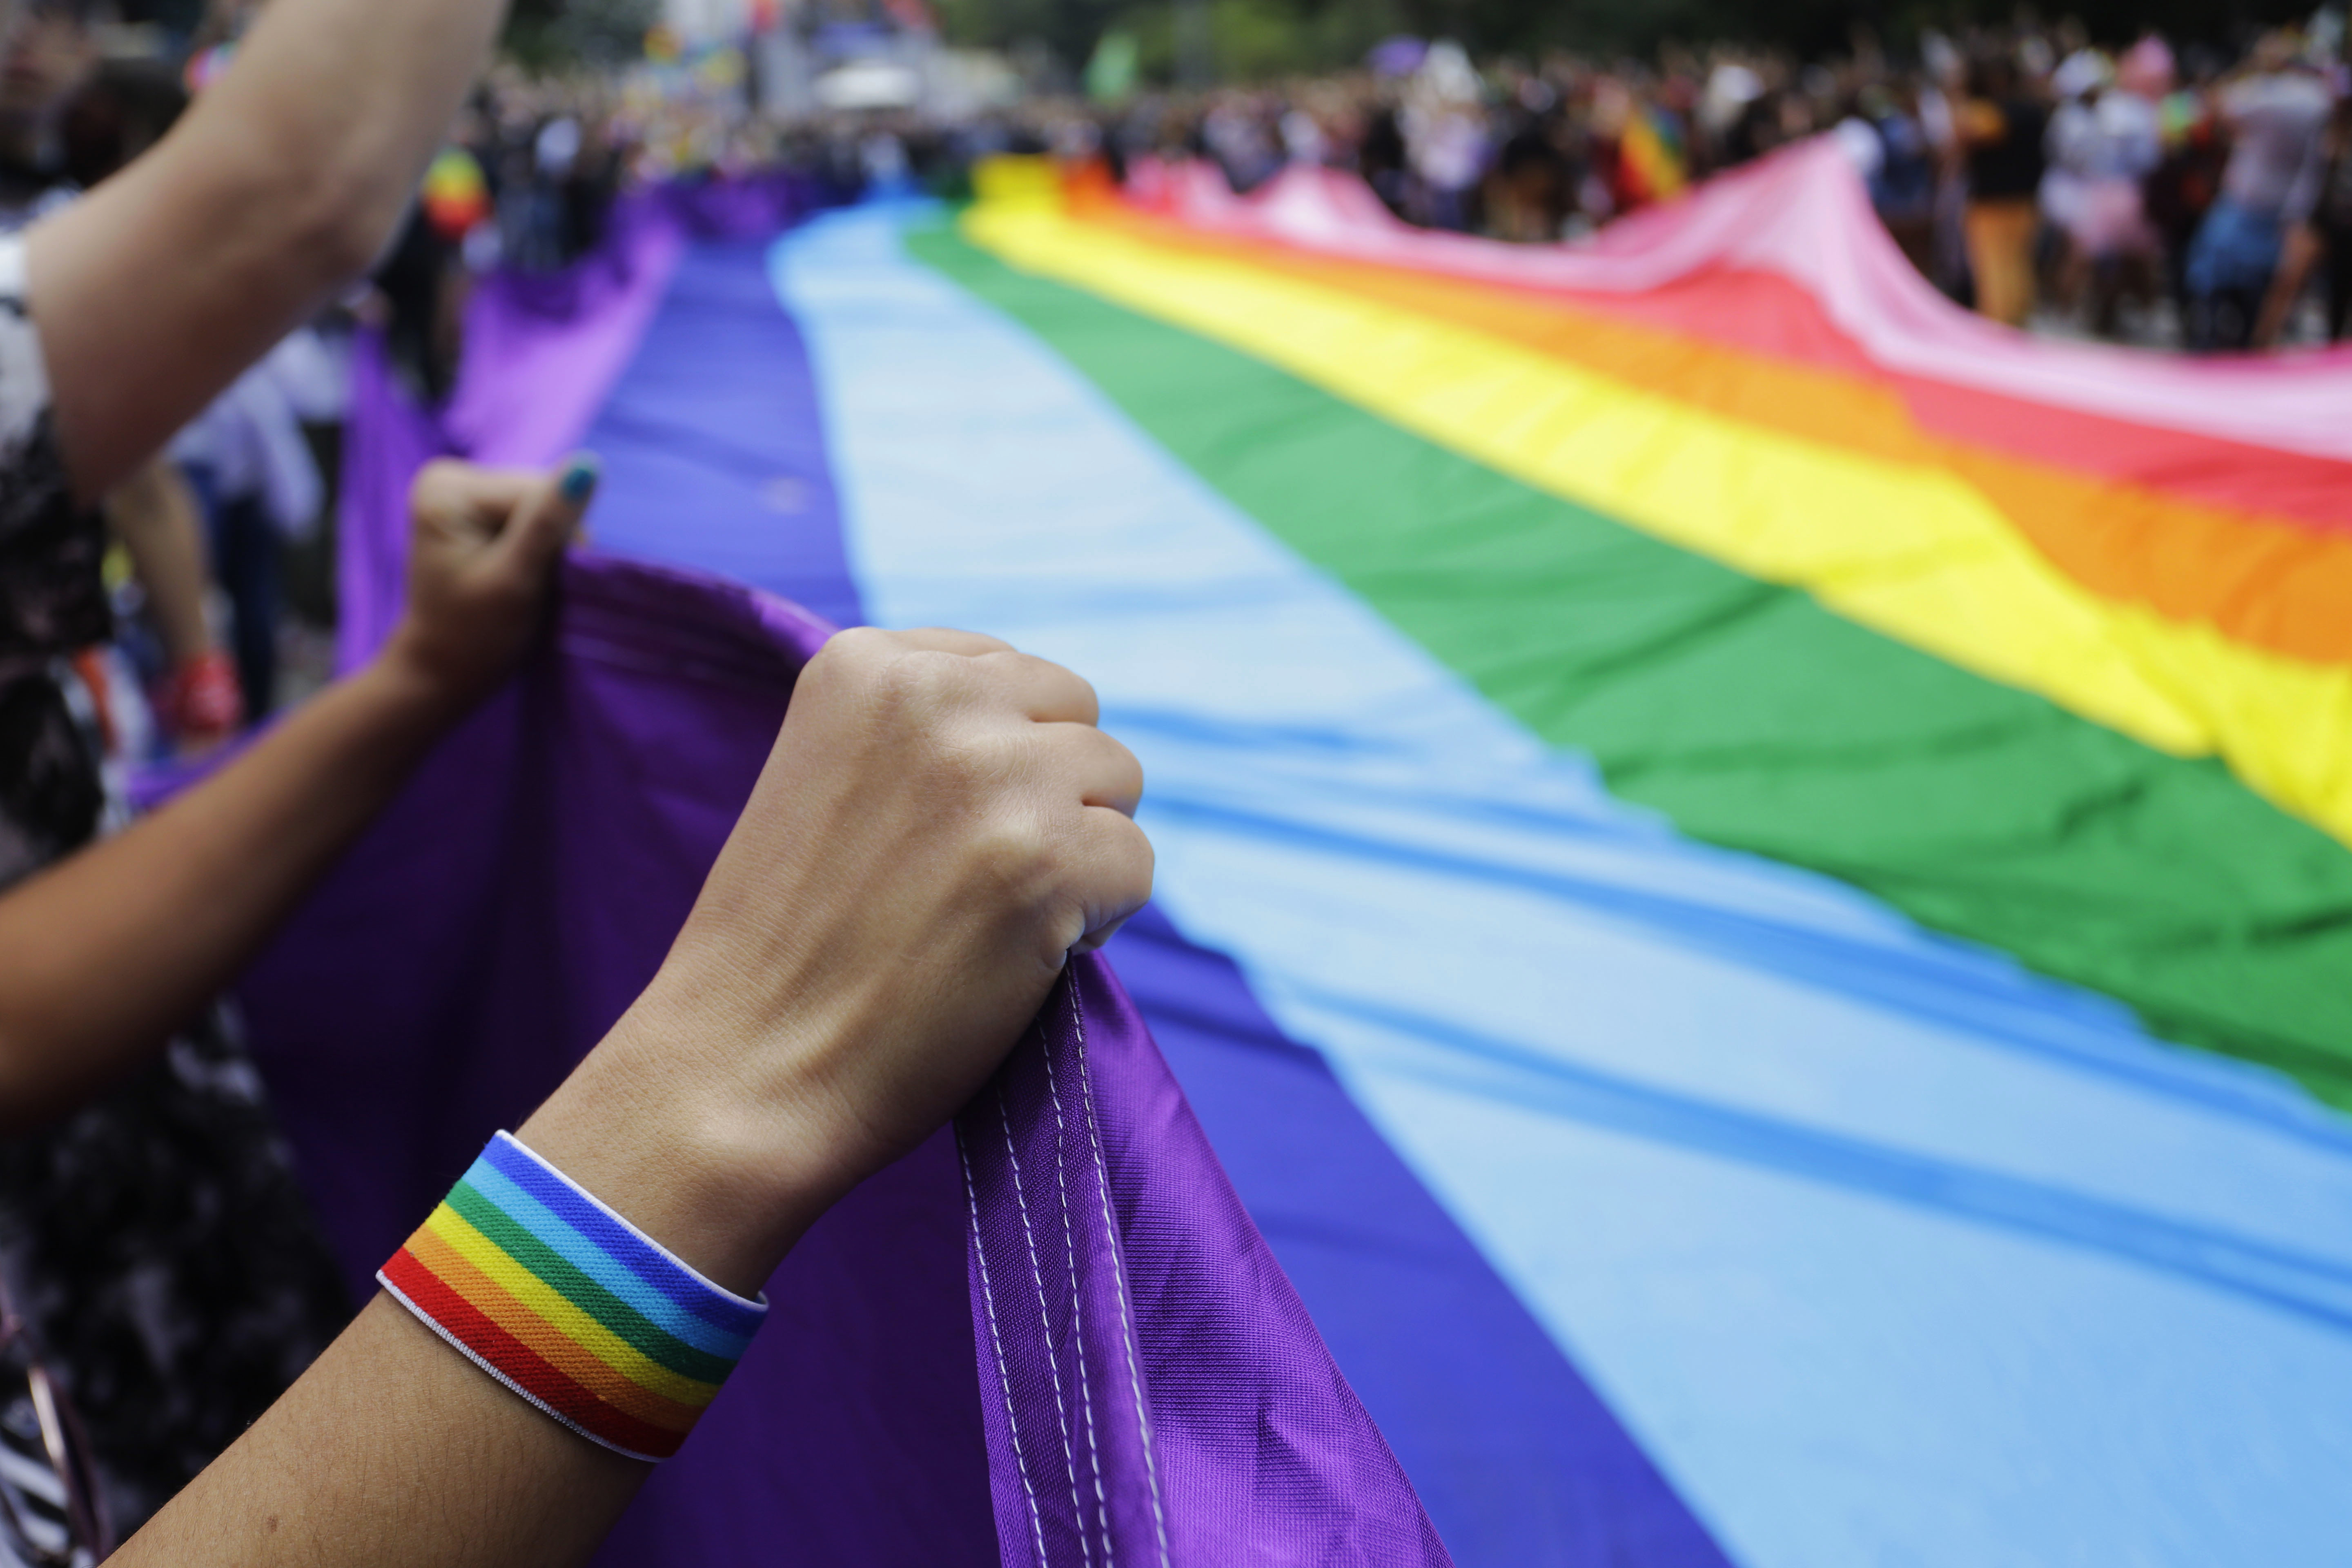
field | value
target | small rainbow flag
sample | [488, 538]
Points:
[456, 196]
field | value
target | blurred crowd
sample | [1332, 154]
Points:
[220, 563]
[2186, 197]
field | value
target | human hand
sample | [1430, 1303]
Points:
[483, 544]
[938, 827]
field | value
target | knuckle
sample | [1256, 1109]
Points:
[853, 648]
[877, 671]
[918, 686]
[855, 642]
[967, 769]
[1046, 671]
[1127, 858]
[443, 481]
[999, 672]
[1014, 850]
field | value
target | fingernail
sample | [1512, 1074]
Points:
[579, 476]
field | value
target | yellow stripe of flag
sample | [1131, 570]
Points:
[1908, 548]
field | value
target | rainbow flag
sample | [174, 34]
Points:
[1651, 151]
[2046, 648]
[1812, 825]
[1753, 888]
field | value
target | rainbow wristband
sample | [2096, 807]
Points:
[569, 1305]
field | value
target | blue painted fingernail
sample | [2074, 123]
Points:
[580, 477]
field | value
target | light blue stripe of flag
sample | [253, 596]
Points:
[2108, 1329]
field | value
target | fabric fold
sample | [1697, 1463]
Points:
[1173, 1401]
[1159, 1392]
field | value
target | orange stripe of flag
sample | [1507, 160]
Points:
[2267, 583]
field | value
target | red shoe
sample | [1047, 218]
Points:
[199, 703]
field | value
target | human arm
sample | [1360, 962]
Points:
[277, 188]
[2300, 248]
[154, 513]
[103, 954]
[939, 823]
[393, 1451]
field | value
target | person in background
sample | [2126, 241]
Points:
[1944, 76]
[2276, 113]
[49, 55]
[2332, 220]
[1237, 137]
[194, 696]
[1444, 127]
[943, 823]
[1723, 114]
[1381, 154]
[153, 1246]
[424, 284]
[2074, 87]
[1903, 188]
[248, 463]
[68, 120]
[2317, 211]
[223, 25]
[2104, 143]
[2002, 126]
[249, 459]
[1531, 189]
[2185, 182]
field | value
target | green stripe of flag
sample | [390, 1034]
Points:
[1754, 718]
[626, 1323]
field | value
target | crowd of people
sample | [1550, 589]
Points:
[2188, 196]
[218, 557]
[205, 540]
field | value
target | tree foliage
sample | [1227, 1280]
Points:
[559, 34]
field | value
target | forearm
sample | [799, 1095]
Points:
[393, 1451]
[350, 92]
[155, 515]
[280, 185]
[104, 954]
[938, 827]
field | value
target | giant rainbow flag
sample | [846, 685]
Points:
[1753, 888]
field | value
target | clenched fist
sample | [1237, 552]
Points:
[483, 544]
[939, 827]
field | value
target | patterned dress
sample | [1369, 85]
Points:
[169, 1270]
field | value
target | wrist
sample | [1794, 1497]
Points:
[403, 672]
[725, 1181]
[412, 687]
